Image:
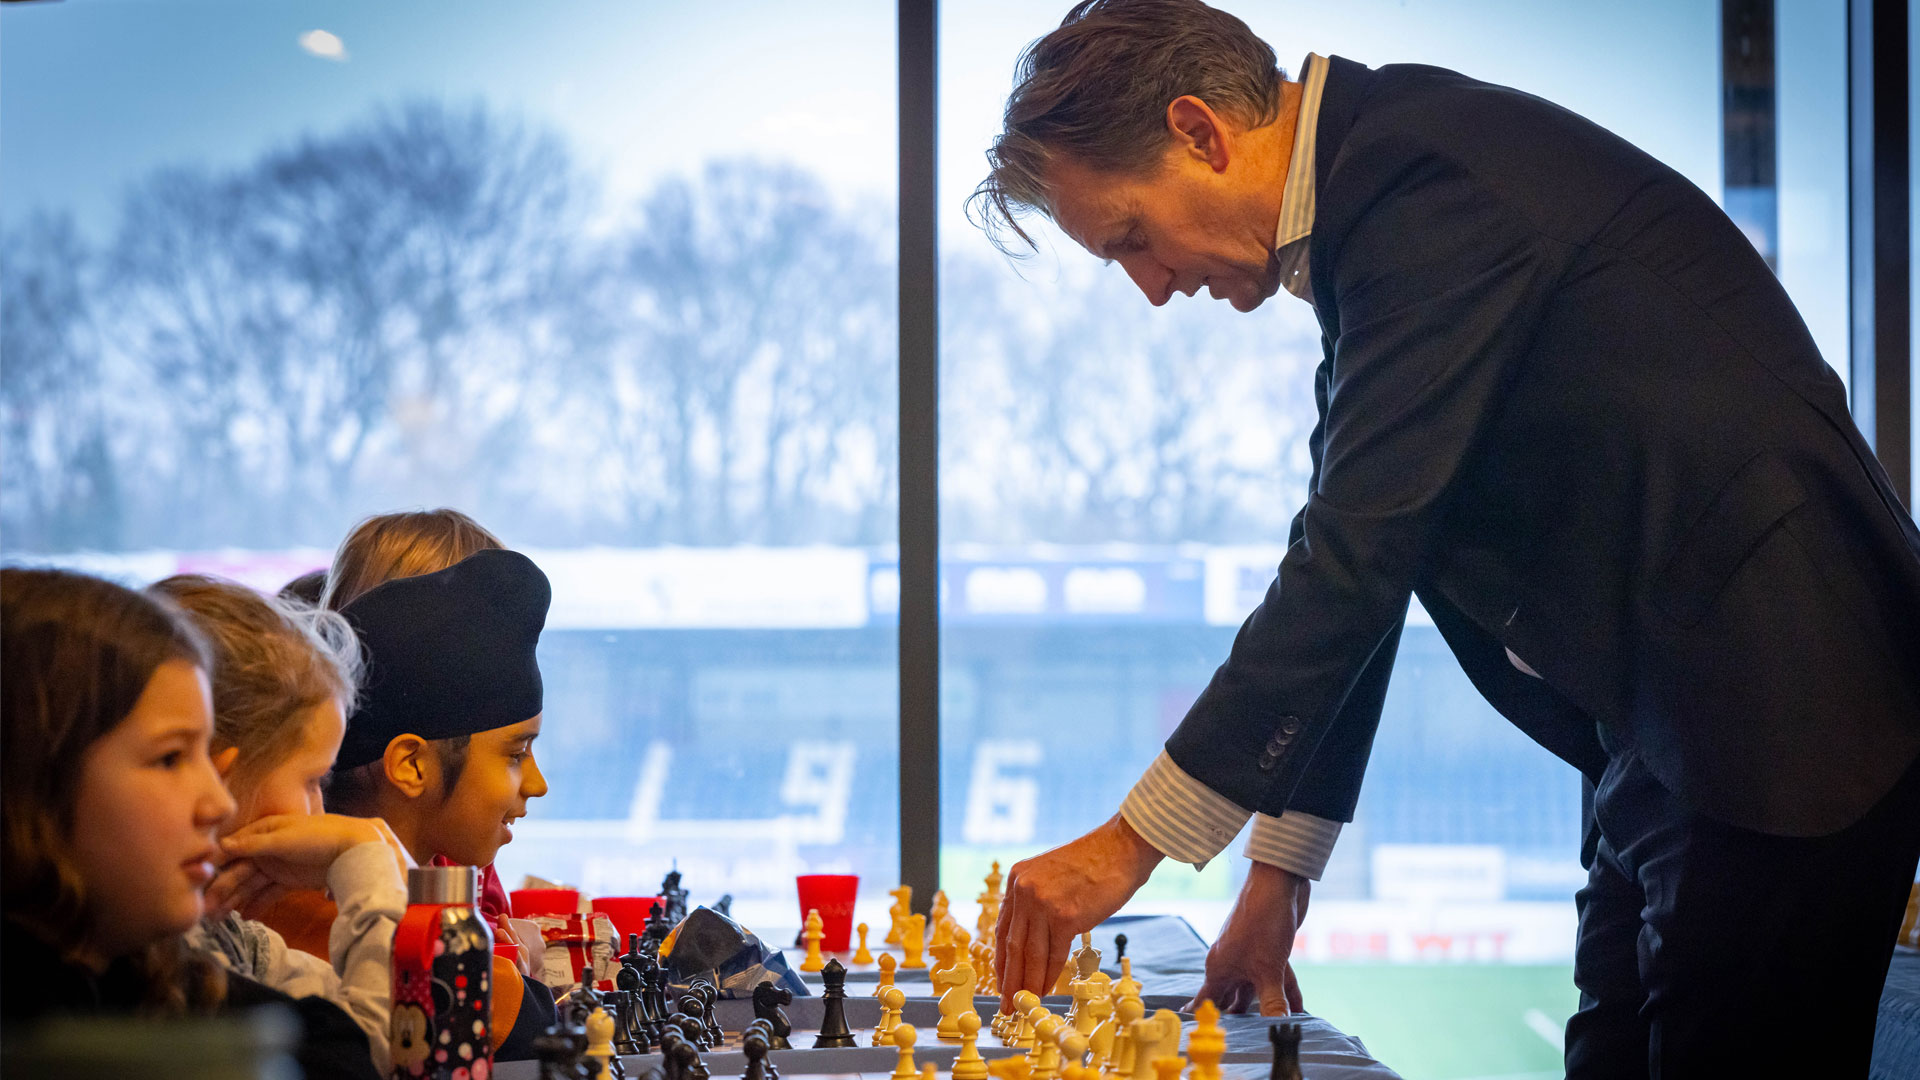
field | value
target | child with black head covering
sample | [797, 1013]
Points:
[440, 744]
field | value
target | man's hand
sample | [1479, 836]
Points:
[1055, 896]
[1250, 963]
[264, 859]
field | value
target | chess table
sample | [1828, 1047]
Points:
[1169, 960]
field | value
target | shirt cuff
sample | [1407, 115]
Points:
[1185, 819]
[1295, 842]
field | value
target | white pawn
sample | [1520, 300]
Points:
[970, 1065]
[903, 1037]
[600, 1044]
[892, 1000]
[1046, 1047]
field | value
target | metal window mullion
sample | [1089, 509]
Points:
[919, 373]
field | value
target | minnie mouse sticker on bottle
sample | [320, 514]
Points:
[442, 979]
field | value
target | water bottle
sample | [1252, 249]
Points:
[442, 979]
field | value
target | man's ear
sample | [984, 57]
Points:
[1199, 133]
[224, 760]
[410, 766]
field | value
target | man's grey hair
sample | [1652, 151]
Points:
[1096, 91]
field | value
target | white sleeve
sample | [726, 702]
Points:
[1185, 819]
[1296, 842]
[372, 896]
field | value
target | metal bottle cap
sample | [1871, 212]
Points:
[443, 885]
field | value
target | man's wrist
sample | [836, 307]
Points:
[1143, 857]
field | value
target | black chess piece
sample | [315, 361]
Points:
[672, 1060]
[688, 1019]
[1119, 948]
[660, 923]
[560, 1056]
[633, 955]
[754, 1045]
[833, 1020]
[765, 1031]
[693, 1066]
[655, 978]
[629, 1036]
[674, 896]
[708, 995]
[767, 999]
[1286, 1051]
[724, 906]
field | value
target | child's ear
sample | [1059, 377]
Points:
[223, 761]
[409, 765]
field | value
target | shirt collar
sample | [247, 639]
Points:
[1297, 196]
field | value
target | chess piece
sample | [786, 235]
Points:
[1168, 1068]
[1286, 1051]
[600, 1044]
[767, 1002]
[674, 896]
[1207, 1043]
[955, 986]
[904, 1037]
[688, 1018]
[929, 1071]
[558, 1054]
[943, 958]
[1126, 986]
[1046, 1047]
[708, 994]
[1126, 1010]
[755, 1046]
[1073, 1050]
[659, 927]
[969, 1065]
[833, 1018]
[1024, 1002]
[902, 907]
[724, 906]
[862, 955]
[887, 963]
[1119, 947]
[937, 909]
[913, 939]
[1157, 1036]
[814, 931]
[1100, 1036]
[892, 1000]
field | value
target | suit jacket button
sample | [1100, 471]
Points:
[1267, 763]
[1276, 744]
[1290, 725]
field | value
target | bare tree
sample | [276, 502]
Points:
[62, 486]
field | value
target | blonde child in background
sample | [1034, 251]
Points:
[284, 678]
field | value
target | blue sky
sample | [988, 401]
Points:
[95, 92]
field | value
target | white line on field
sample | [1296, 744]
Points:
[1543, 1026]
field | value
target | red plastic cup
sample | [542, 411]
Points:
[530, 902]
[629, 915]
[832, 896]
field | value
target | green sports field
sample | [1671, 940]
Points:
[1449, 1021]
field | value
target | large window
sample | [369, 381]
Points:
[620, 280]
[616, 279]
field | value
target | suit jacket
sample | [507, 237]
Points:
[1567, 404]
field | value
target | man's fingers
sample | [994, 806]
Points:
[1058, 946]
[1294, 1000]
[1034, 949]
[1274, 999]
[1008, 958]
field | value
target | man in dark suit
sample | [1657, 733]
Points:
[1565, 404]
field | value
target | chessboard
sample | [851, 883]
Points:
[1219, 1047]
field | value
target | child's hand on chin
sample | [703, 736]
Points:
[264, 859]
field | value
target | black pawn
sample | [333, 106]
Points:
[689, 1020]
[755, 1047]
[672, 1061]
[765, 1031]
[724, 906]
[1119, 948]
[833, 1021]
[1286, 1051]
[557, 1054]
[708, 995]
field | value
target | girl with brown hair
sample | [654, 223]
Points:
[109, 811]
